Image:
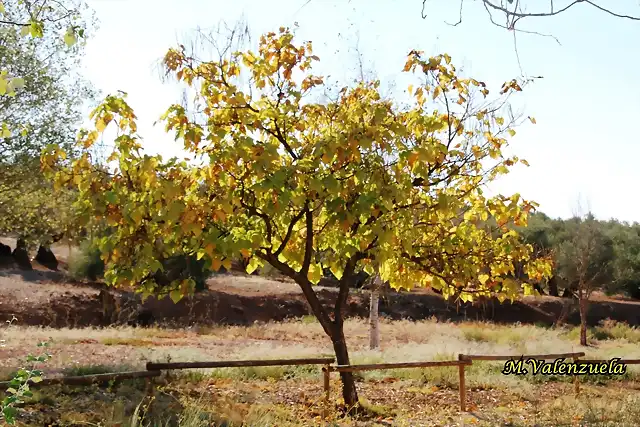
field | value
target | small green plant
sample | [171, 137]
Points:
[19, 385]
[86, 263]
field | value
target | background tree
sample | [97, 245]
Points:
[356, 179]
[585, 262]
[42, 104]
[626, 261]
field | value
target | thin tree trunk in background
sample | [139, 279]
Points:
[374, 316]
[583, 319]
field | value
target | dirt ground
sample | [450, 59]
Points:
[293, 396]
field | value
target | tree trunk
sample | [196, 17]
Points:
[374, 319]
[553, 287]
[349, 392]
[583, 320]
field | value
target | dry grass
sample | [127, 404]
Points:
[290, 395]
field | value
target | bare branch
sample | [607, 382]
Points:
[459, 15]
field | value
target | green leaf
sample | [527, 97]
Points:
[4, 85]
[1, 7]
[111, 197]
[466, 297]
[175, 296]
[9, 413]
[70, 37]
[253, 265]
[17, 83]
[36, 29]
[6, 133]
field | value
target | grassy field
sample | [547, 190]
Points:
[293, 396]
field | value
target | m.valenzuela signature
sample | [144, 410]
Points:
[560, 367]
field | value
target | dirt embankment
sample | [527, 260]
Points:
[49, 299]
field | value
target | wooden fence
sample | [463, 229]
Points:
[155, 369]
[239, 363]
[89, 379]
[492, 357]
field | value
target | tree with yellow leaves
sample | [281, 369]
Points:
[361, 180]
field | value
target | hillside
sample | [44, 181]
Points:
[50, 298]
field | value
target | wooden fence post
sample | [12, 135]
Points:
[326, 373]
[576, 380]
[462, 386]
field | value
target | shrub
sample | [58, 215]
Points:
[86, 263]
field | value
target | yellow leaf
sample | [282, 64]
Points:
[466, 297]
[483, 278]
[227, 263]
[70, 37]
[315, 273]
[175, 296]
[209, 249]
[436, 92]
[412, 158]
[100, 125]
[533, 120]
[512, 132]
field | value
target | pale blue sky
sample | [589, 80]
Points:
[587, 106]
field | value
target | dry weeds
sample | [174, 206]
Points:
[406, 396]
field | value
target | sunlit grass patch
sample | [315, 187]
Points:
[278, 373]
[607, 330]
[132, 342]
[80, 370]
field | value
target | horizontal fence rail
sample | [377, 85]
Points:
[239, 363]
[381, 366]
[493, 357]
[523, 356]
[401, 365]
[89, 379]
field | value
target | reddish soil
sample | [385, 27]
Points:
[49, 298]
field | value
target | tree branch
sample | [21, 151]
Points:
[308, 244]
[287, 236]
[306, 287]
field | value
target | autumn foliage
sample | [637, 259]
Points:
[287, 178]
